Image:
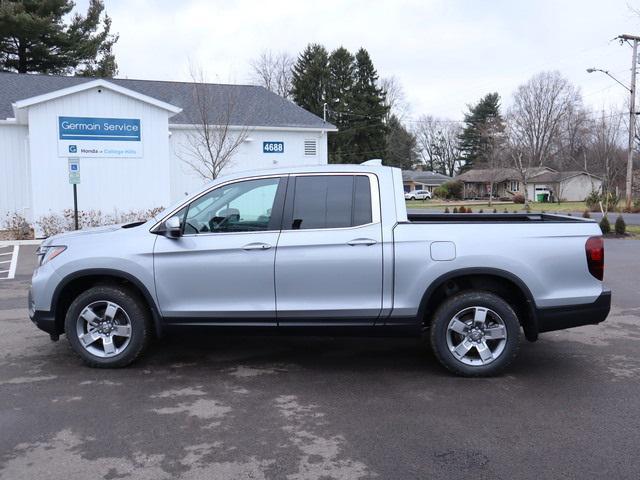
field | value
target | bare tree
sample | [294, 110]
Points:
[535, 120]
[439, 144]
[494, 154]
[606, 156]
[395, 98]
[273, 72]
[217, 129]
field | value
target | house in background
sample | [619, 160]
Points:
[419, 180]
[544, 184]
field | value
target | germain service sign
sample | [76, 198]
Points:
[93, 137]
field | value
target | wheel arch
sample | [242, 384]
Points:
[495, 280]
[77, 282]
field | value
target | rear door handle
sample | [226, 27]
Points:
[362, 241]
[256, 246]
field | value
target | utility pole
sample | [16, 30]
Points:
[632, 114]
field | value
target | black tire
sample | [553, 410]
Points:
[412, 198]
[138, 316]
[439, 332]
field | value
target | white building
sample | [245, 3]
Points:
[130, 138]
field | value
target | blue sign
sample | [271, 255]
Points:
[272, 147]
[89, 128]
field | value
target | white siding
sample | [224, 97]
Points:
[248, 156]
[106, 183]
[15, 187]
[578, 188]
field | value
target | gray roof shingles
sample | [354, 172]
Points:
[250, 105]
[425, 177]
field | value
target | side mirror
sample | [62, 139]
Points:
[172, 228]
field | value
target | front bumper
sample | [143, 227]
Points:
[569, 316]
[44, 320]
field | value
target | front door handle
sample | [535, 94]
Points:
[362, 241]
[257, 246]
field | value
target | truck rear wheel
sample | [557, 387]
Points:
[108, 326]
[475, 334]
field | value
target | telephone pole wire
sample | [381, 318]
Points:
[632, 114]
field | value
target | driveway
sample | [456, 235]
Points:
[213, 407]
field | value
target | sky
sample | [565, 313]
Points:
[445, 53]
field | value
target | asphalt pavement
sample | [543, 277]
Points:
[212, 407]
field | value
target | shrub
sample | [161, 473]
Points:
[609, 201]
[586, 214]
[495, 211]
[450, 190]
[469, 210]
[505, 211]
[620, 226]
[455, 210]
[481, 211]
[605, 226]
[446, 210]
[17, 226]
[518, 198]
[462, 210]
[55, 223]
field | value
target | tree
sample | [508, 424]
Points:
[35, 36]
[273, 72]
[400, 146]
[540, 107]
[339, 100]
[493, 156]
[369, 110]
[217, 131]
[309, 78]
[473, 139]
[395, 98]
[438, 141]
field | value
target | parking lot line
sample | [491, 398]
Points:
[13, 263]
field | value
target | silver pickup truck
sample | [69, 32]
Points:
[328, 249]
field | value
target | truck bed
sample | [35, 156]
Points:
[492, 218]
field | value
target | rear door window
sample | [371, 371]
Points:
[329, 201]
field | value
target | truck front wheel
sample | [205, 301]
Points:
[475, 334]
[108, 326]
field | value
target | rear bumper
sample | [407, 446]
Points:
[569, 316]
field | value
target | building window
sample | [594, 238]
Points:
[514, 186]
[310, 148]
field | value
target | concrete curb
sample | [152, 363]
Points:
[7, 243]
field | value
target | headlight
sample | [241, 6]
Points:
[46, 254]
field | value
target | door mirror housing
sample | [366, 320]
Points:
[172, 227]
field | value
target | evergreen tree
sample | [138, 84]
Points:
[310, 78]
[400, 148]
[369, 110]
[481, 121]
[339, 100]
[36, 37]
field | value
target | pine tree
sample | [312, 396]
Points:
[474, 140]
[310, 78]
[400, 146]
[369, 110]
[339, 100]
[35, 36]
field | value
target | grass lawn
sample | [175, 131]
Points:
[476, 205]
[633, 230]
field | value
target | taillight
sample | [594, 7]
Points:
[595, 256]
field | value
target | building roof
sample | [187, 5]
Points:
[486, 175]
[251, 105]
[426, 178]
[536, 175]
[555, 177]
